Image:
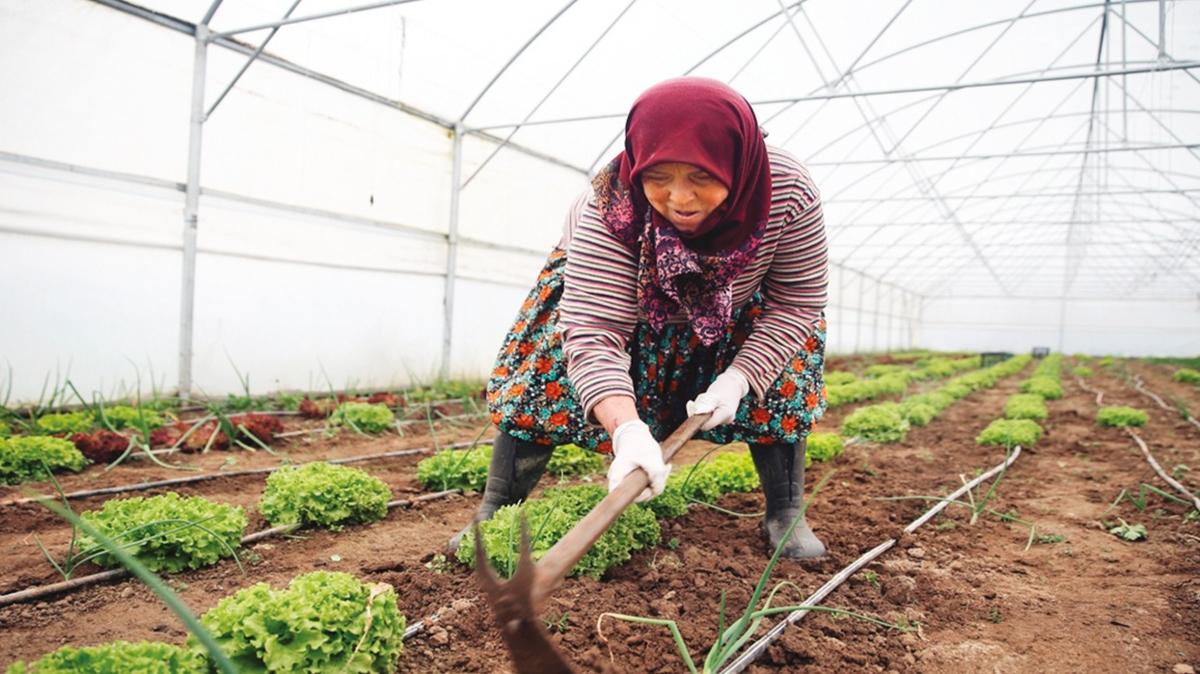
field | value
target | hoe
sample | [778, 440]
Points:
[517, 601]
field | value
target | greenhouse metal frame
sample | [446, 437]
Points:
[889, 287]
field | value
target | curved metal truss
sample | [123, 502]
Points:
[993, 208]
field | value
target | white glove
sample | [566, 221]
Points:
[722, 398]
[634, 447]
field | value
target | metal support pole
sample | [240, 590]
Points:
[452, 249]
[887, 342]
[875, 319]
[858, 309]
[843, 313]
[191, 209]
[919, 322]
[1124, 78]
[1162, 31]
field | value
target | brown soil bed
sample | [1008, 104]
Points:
[983, 603]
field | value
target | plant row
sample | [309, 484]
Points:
[66, 441]
[890, 379]
[1023, 411]
[1187, 375]
[172, 533]
[322, 622]
[890, 422]
[558, 509]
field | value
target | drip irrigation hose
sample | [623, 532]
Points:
[1098, 393]
[1162, 473]
[1175, 484]
[1140, 385]
[759, 647]
[40, 591]
[141, 486]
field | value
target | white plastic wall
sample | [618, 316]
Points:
[325, 217]
[323, 221]
[1096, 327]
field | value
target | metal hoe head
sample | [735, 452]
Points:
[513, 603]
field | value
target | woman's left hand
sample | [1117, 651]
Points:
[722, 398]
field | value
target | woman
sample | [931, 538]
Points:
[691, 277]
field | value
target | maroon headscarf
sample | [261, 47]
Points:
[705, 123]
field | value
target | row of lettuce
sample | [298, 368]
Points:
[551, 515]
[71, 440]
[882, 379]
[263, 629]
[1024, 411]
[321, 622]
[890, 422]
[68, 441]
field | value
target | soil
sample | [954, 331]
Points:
[972, 596]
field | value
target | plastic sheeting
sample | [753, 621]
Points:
[1060, 213]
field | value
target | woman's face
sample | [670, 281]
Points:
[684, 194]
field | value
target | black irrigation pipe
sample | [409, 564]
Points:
[141, 486]
[759, 647]
[1141, 387]
[42, 591]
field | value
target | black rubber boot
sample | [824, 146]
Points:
[516, 467]
[781, 470]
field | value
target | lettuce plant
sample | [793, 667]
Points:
[940, 368]
[825, 446]
[467, 469]
[1187, 375]
[938, 400]
[880, 369]
[464, 469]
[1025, 406]
[363, 417]
[550, 518]
[839, 378]
[1082, 371]
[877, 423]
[64, 422]
[917, 413]
[168, 532]
[122, 416]
[1120, 417]
[1009, 433]
[118, 657]
[956, 390]
[324, 495]
[100, 446]
[5, 429]
[571, 460]
[26, 458]
[1046, 387]
[323, 623]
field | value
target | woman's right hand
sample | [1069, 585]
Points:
[633, 448]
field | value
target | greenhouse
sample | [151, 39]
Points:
[295, 291]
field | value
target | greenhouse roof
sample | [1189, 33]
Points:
[1011, 149]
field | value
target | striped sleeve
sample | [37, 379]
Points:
[598, 311]
[795, 290]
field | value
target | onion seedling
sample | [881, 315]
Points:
[1139, 501]
[978, 505]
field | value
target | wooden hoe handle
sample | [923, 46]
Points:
[557, 561]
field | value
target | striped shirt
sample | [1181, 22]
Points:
[599, 308]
